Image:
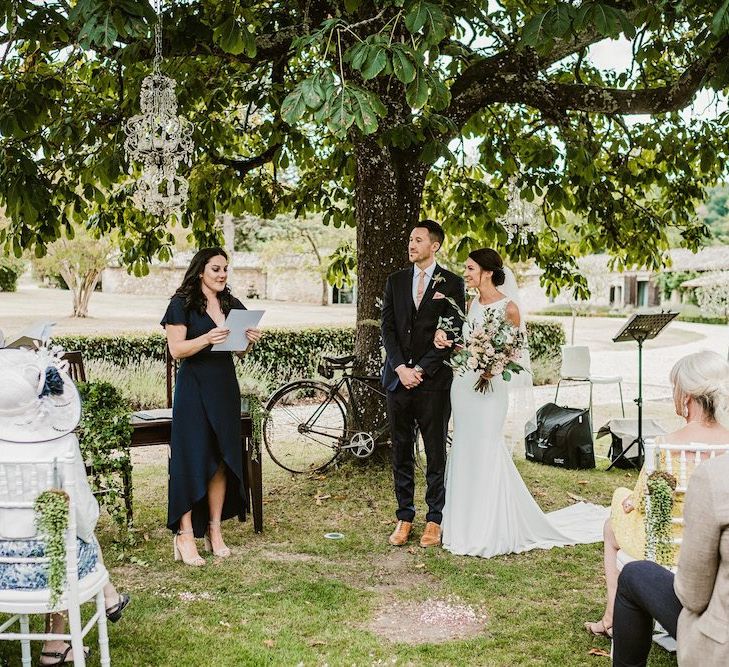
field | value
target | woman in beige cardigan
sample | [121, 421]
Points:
[693, 606]
[701, 397]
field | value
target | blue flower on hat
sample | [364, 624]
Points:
[53, 385]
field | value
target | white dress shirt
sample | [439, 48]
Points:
[416, 279]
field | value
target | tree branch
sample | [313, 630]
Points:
[471, 95]
[244, 166]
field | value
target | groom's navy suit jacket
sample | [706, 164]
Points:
[408, 333]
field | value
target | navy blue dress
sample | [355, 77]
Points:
[205, 427]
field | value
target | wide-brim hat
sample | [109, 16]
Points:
[38, 400]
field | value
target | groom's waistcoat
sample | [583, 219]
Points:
[407, 331]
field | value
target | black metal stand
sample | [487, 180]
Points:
[640, 328]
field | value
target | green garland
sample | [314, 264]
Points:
[658, 517]
[51, 520]
[105, 435]
[258, 414]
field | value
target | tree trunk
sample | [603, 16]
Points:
[82, 287]
[324, 292]
[389, 191]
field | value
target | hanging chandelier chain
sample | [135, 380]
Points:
[157, 37]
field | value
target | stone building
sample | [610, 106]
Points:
[249, 278]
[630, 289]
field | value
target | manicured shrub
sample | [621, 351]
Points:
[283, 354]
[11, 269]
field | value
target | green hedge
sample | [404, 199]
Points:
[545, 339]
[11, 269]
[700, 319]
[286, 352]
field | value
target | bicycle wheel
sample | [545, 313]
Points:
[419, 454]
[305, 426]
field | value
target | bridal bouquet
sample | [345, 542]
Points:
[491, 347]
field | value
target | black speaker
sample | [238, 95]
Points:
[563, 438]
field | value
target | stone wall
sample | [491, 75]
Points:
[292, 284]
[244, 282]
[283, 283]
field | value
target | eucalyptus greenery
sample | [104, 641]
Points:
[51, 520]
[658, 517]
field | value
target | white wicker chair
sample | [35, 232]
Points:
[21, 482]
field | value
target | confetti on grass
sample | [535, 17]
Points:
[429, 622]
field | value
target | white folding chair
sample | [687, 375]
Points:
[576, 368]
[21, 482]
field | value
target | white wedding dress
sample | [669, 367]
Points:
[488, 508]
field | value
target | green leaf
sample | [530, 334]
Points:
[352, 6]
[341, 117]
[312, 92]
[535, 30]
[364, 115]
[627, 25]
[417, 16]
[229, 36]
[357, 55]
[294, 106]
[605, 19]
[424, 14]
[402, 65]
[720, 22]
[376, 62]
[440, 95]
[558, 20]
[416, 93]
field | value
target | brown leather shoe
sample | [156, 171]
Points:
[401, 534]
[431, 535]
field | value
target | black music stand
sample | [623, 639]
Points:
[640, 328]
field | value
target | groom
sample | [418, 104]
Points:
[417, 381]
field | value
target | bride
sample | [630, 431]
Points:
[488, 508]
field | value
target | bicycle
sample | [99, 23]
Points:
[307, 425]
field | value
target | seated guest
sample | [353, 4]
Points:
[693, 606]
[39, 409]
[701, 396]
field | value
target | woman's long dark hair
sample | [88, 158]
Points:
[191, 288]
[490, 260]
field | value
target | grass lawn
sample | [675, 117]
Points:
[291, 597]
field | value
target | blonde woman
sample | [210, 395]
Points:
[701, 396]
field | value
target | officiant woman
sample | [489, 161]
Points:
[206, 482]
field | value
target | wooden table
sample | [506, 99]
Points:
[158, 431]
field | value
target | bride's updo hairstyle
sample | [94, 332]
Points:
[490, 260]
[704, 377]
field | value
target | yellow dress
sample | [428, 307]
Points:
[629, 527]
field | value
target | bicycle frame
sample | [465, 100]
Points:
[351, 407]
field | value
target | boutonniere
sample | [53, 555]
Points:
[438, 278]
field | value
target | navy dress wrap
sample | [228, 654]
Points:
[205, 427]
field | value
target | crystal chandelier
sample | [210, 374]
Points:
[520, 217]
[159, 139]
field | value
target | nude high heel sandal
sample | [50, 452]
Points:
[196, 561]
[224, 552]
